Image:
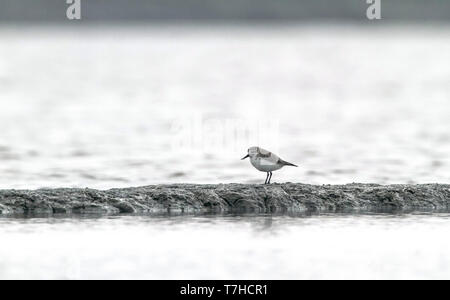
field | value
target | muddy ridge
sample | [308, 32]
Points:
[286, 197]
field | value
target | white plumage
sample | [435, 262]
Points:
[266, 161]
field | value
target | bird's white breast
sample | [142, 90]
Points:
[265, 165]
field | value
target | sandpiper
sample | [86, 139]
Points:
[265, 161]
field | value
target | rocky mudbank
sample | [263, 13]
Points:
[286, 197]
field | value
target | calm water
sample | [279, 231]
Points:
[223, 247]
[119, 106]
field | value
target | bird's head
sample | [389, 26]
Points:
[251, 152]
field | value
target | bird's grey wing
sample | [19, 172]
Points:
[270, 159]
[264, 153]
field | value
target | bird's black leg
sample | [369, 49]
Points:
[267, 177]
[270, 177]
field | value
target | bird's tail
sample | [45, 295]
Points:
[288, 164]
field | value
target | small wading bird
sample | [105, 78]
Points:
[266, 161]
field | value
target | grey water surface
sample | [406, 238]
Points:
[328, 246]
[118, 106]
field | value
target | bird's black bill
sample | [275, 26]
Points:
[245, 157]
